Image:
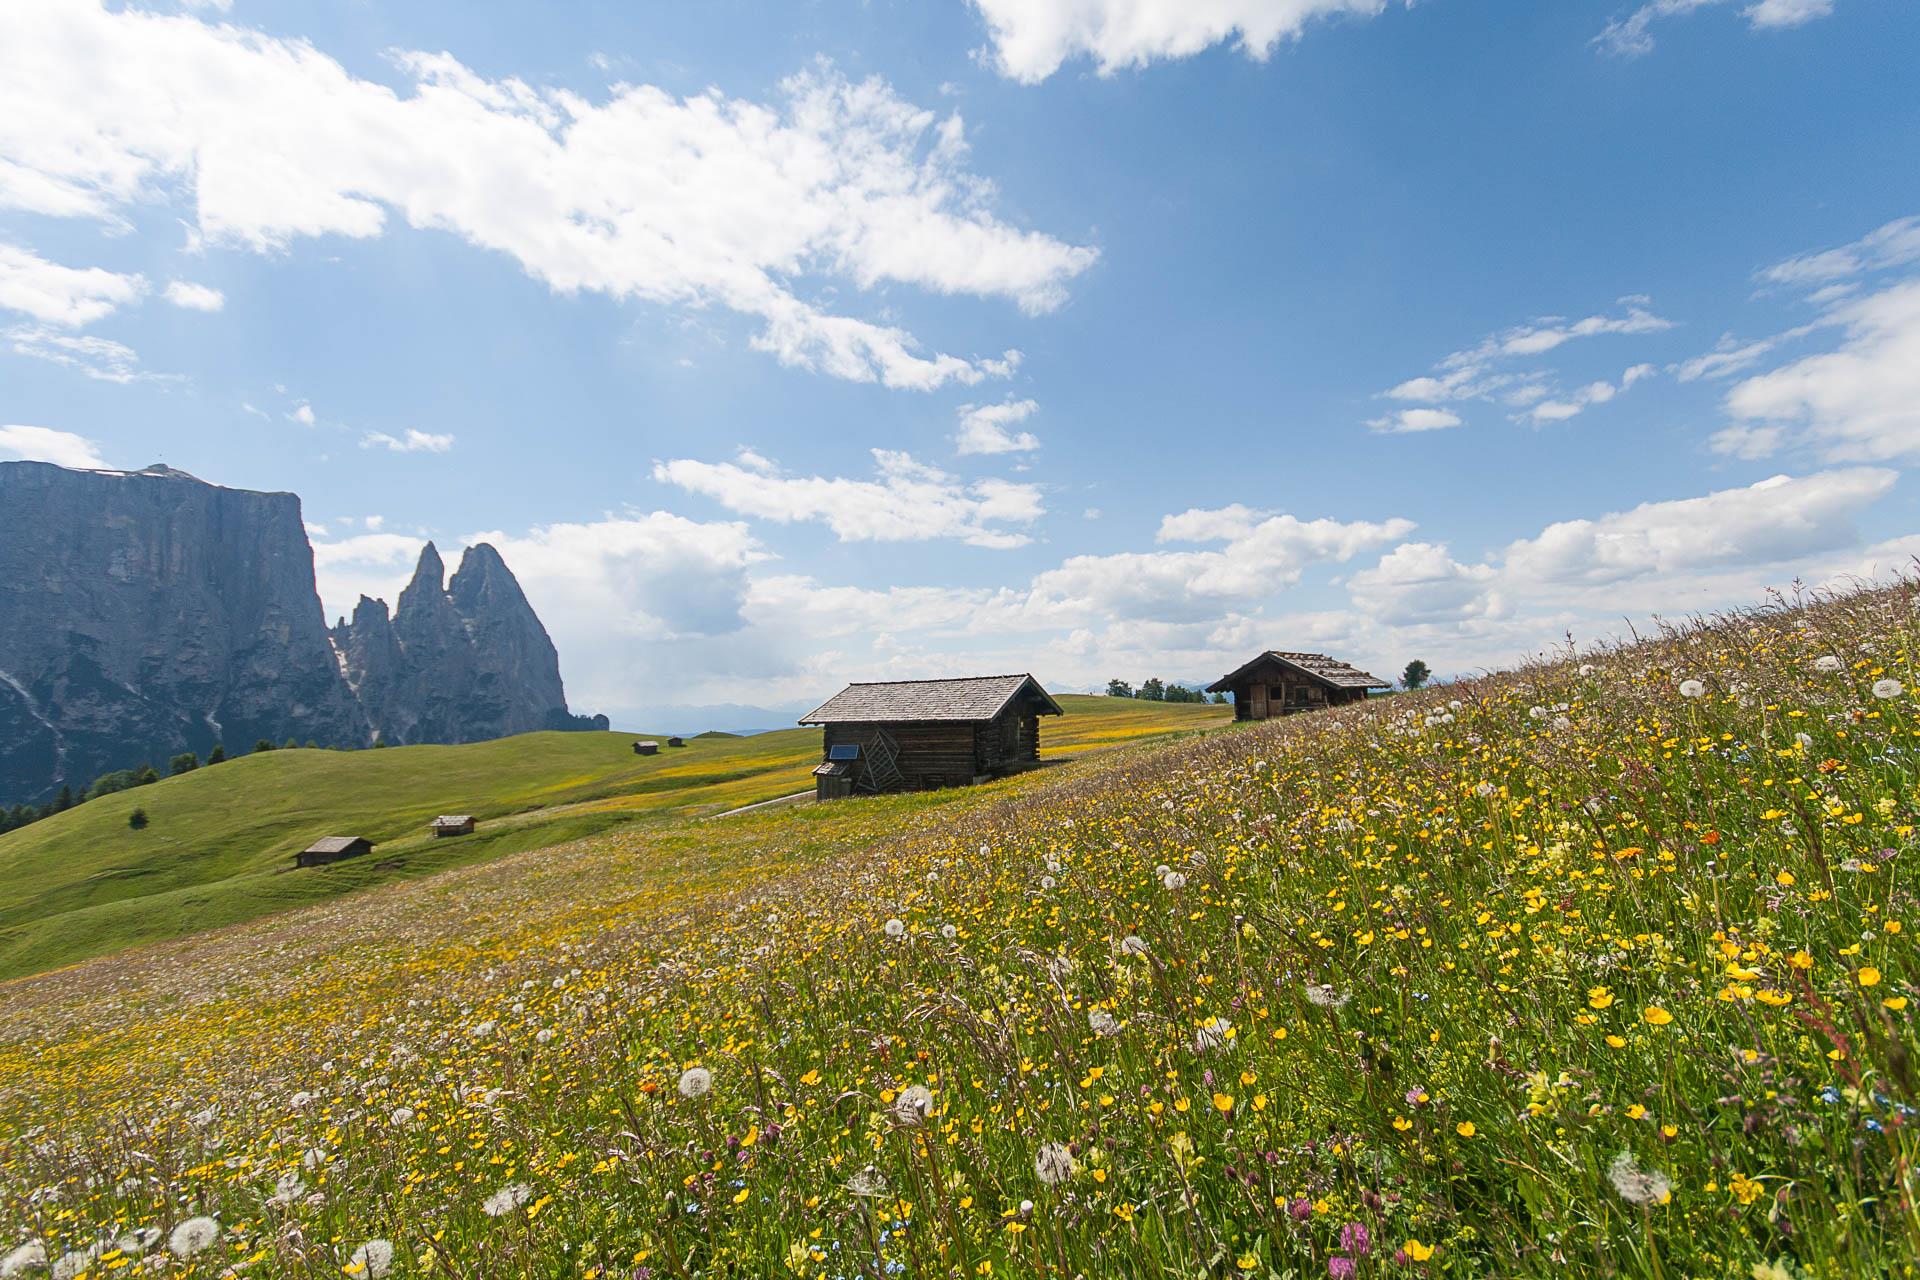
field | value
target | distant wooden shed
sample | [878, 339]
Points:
[676, 742]
[646, 748]
[1282, 682]
[910, 735]
[332, 849]
[453, 824]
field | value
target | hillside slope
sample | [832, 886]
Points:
[1596, 969]
[219, 842]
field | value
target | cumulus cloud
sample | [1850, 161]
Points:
[700, 201]
[66, 296]
[414, 441]
[1655, 547]
[1032, 38]
[1857, 403]
[1632, 35]
[1263, 552]
[195, 297]
[984, 428]
[44, 444]
[908, 501]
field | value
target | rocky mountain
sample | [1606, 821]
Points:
[457, 661]
[147, 613]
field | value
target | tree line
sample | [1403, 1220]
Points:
[21, 815]
[1158, 690]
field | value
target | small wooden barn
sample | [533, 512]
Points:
[332, 849]
[648, 748]
[1279, 683]
[911, 735]
[453, 824]
[676, 742]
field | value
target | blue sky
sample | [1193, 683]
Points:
[779, 346]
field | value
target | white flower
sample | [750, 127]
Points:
[195, 1235]
[1636, 1185]
[1828, 664]
[314, 1157]
[1804, 741]
[869, 1181]
[300, 1099]
[949, 932]
[1692, 689]
[1888, 688]
[1323, 994]
[373, 1259]
[1212, 1036]
[1536, 713]
[1561, 724]
[1485, 789]
[136, 1241]
[75, 1263]
[896, 928]
[543, 1035]
[1047, 882]
[1586, 668]
[287, 1189]
[28, 1257]
[1054, 1163]
[695, 1082]
[914, 1105]
[1174, 881]
[401, 1117]
[1103, 1023]
[481, 1030]
[1134, 945]
[507, 1199]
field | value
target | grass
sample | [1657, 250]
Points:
[1597, 968]
[219, 843]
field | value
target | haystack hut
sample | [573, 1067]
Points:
[1280, 683]
[912, 735]
[332, 849]
[453, 824]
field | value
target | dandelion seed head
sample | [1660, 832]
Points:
[195, 1235]
[373, 1259]
[1638, 1186]
[695, 1082]
[1054, 1164]
[507, 1199]
[1888, 689]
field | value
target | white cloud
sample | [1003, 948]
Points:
[1656, 548]
[983, 428]
[1857, 403]
[1032, 38]
[195, 297]
[1730, 356]
[703, 201]
[66, 296]
[908, 502]
[302, 414]
[1482, 372]
[412, 442]
[44, 444]
[1263, 553]
[1405, 421]
[101, 359]
[1897, 244]
[1632, 35]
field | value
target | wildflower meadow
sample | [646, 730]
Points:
[1600, 967]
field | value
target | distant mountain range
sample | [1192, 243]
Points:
[148, 613]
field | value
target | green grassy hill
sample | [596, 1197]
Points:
[219, 843]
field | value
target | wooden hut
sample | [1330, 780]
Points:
[646, 748]
[910, 735]
[1279, 683]
[676, 742]
[332, 849]
[453, 824]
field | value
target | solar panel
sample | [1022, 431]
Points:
[844, 751]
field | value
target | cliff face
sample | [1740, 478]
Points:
[459, 661]
[148, 613]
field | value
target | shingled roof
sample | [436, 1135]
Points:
[333, 844]
[1318, 666]
[966, 699]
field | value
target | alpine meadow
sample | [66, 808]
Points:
[1602, 965]
[959, 640]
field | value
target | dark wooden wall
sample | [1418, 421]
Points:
[944, 754]
[1286, 694]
